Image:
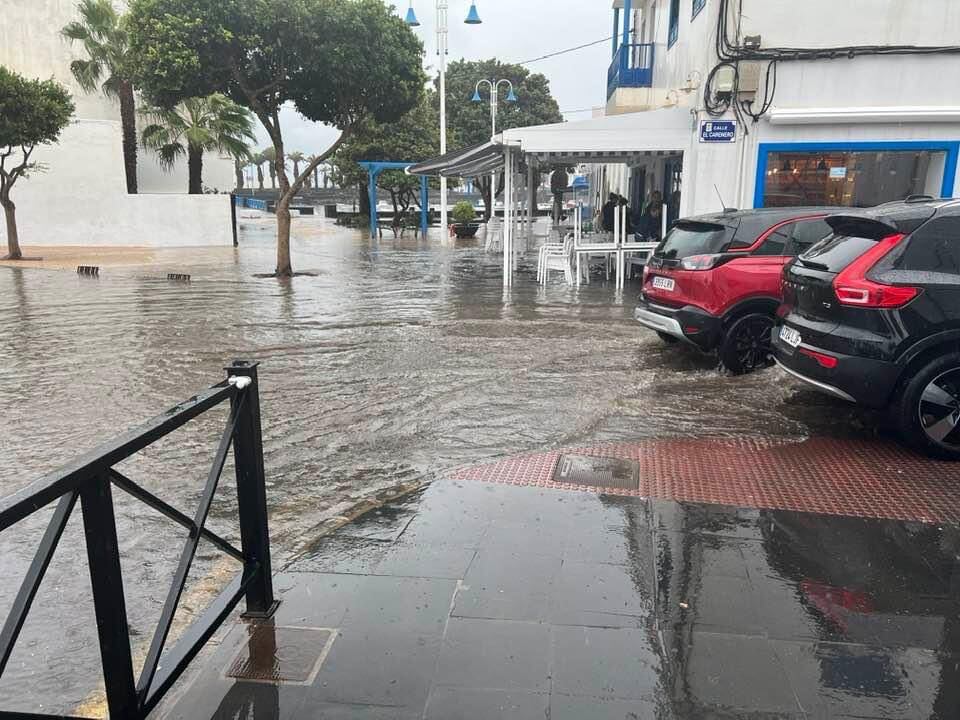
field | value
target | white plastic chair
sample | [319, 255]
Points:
[493, 236]
[554, 258]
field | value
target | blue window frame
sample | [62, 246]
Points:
[674, 27]
[698, 5]
[950, 148]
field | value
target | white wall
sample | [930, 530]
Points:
[80, 199]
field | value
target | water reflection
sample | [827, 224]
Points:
[783, 612]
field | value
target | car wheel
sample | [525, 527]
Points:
[928, 414]
[746, 344]
[669, 339]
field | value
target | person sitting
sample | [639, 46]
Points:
[608, 212]
[651, 223]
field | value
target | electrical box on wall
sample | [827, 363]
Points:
[723, 81]
[749, 81]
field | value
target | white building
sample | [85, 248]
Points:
[81, 197]
[854, 112]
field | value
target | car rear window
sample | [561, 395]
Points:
[931, 255]
[695, 238]
[836, 251]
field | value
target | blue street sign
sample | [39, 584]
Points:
[718, 131]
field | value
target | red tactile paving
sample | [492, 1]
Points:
[838, 477]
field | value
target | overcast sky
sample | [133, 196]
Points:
[513, 31]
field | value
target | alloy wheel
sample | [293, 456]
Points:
[752, 342]
[940, 409]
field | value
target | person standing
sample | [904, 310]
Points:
[608, 212]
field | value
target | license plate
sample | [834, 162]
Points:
[663, 283]
[790, 336]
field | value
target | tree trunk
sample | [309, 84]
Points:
[364, 191]
[284, 266]
[195, 170]
[128, 121]
[260, 176]
[273, 177]
[13, 238]
[316, 178]
[238, 171]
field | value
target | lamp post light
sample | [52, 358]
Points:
[494, 101]
[473, 18]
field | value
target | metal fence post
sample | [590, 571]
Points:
[106, 580]
[252, 493]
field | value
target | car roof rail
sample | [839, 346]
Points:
[918, 198]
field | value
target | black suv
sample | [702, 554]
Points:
[871, 314]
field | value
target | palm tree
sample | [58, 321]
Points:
[198, 125]
[296, 157]
[316, 172]
[238, 166]
[270, 156]
[259, 159]
[107, 68]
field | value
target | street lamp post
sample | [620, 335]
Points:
[494, 100]
[473, 18]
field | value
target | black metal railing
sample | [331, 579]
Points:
[90, 479]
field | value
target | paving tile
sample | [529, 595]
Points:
[538, 536]
[373, 666]
[217, 699]
[338, 554]
[605, 663]
[567, 707]
[314, 599]
[724, 604]
[430, 561]
[450, 703]
[507, 586]
[734, 672]
[412, 605]
[336, 711]
[601, 596]
[832, 679]
[495, 655]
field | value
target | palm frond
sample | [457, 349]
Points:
[87, 73]
[168, 154]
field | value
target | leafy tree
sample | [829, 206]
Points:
[32, 112]
[413, 137]
[198, 125]
[336, 61]
[469, 122]
[107, 68]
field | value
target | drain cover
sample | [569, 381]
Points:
[597, 472]
[274, 654]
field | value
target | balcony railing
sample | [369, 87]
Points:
[632, 67]
[89, 480]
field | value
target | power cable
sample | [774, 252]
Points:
[564, 52]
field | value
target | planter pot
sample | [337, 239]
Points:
[466, 230]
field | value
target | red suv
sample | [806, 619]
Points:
[714, 282]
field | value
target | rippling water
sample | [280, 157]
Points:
[398, 361]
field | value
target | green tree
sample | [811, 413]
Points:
[336, 61]
[32, 112]
[413, 137]
[196, 126]
[469, 122]
[107, 68]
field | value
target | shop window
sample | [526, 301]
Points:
[674, 27]
[851, 178]
[698, 5]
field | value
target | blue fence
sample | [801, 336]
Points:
[632, 67]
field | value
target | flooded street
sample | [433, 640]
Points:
[398, 362]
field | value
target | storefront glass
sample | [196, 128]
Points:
[851, 178]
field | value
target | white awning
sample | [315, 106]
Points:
[609, 139]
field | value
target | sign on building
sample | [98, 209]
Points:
[718, 131]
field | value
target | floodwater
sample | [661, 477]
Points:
[397, 362]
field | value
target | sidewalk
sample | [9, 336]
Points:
[489, 600]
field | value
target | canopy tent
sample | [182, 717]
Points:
[609, 139]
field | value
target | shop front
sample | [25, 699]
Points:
[853, 174]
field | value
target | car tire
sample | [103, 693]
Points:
[927, 413]
[746, 344]
[667, 338]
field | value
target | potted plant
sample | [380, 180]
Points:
[463, 220]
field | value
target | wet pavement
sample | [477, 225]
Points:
[399, 362]
[480, 601]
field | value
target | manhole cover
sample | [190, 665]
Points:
[277, 654]
[598, 472]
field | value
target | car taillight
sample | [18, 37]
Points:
[825, 361]
[700, 262]
[854, 288]
[646, 273]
